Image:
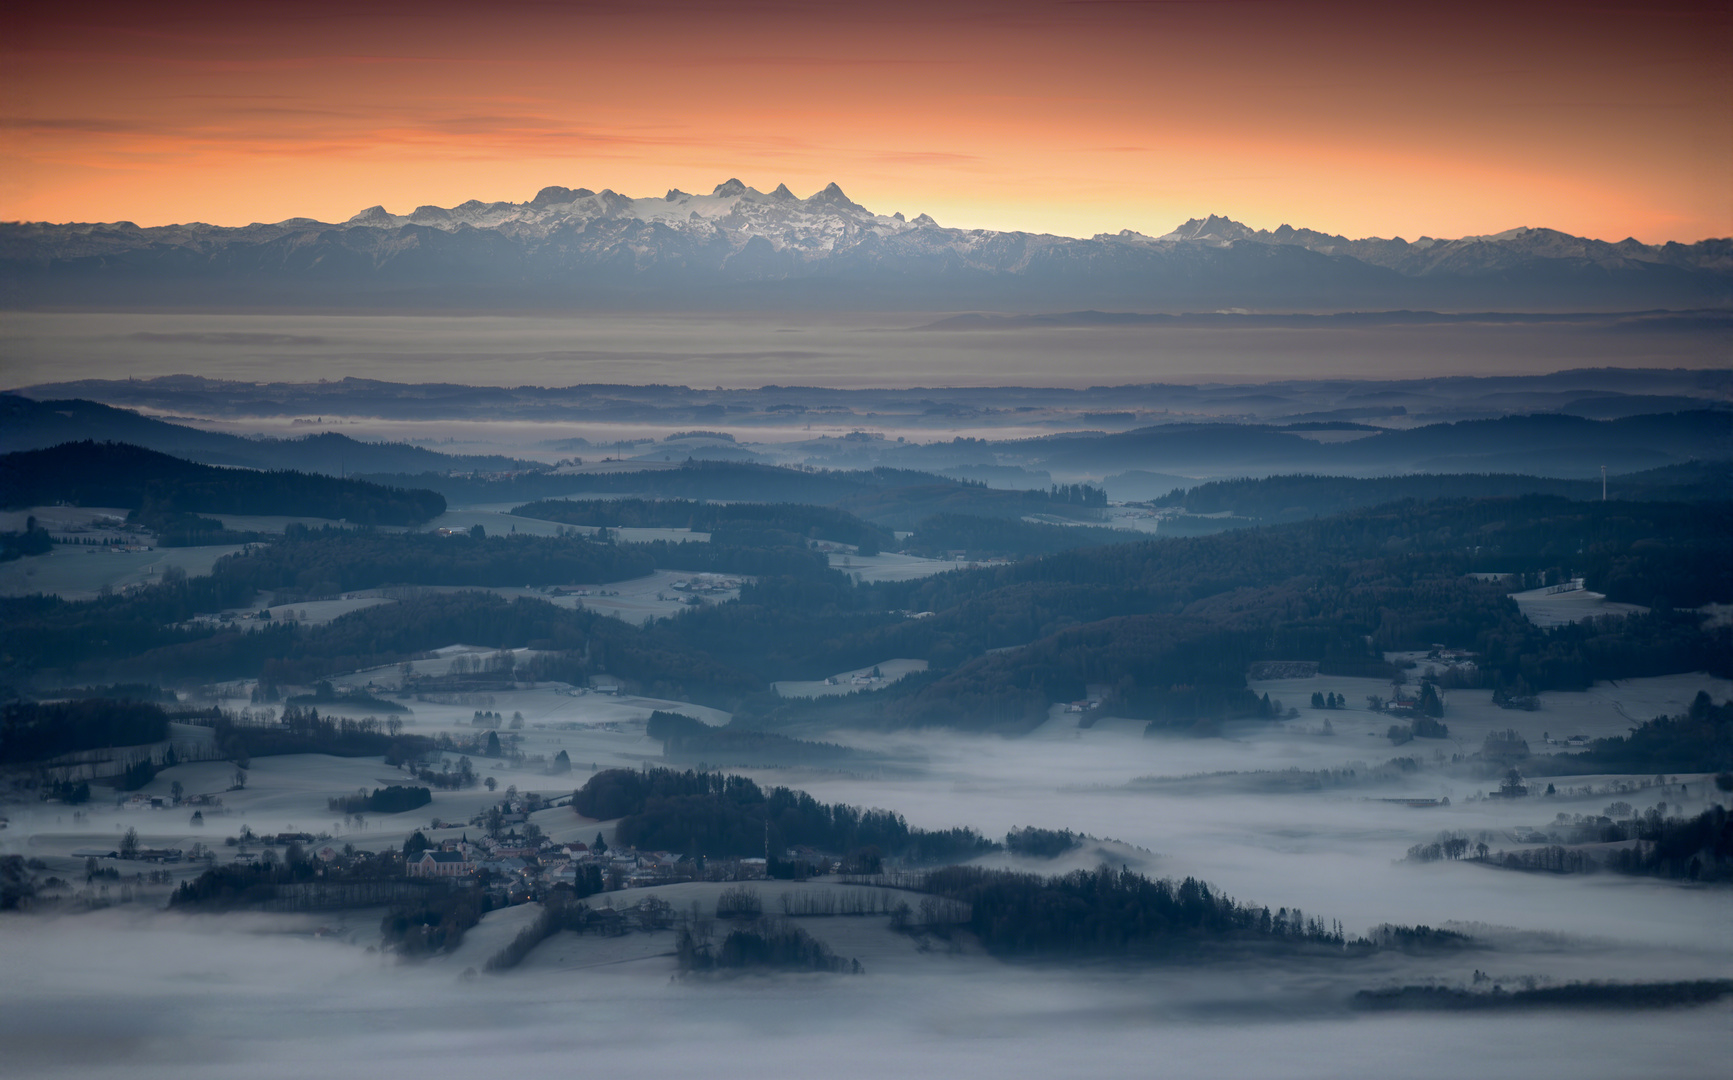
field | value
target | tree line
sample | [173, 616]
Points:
[1161, 624]
[719, 815]
[796, 520]
[394, 799]
[686, 739]
[1008, 538]
[316, 562]
[1697, 740]
[887, 497]
[1294, 496]
[157, 486]
[1117, 913]
[35, 731]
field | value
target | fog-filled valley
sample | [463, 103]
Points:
[991, 731]
[954, 539]
[282, 992]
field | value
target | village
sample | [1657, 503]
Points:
[499, 851]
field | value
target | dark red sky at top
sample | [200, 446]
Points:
[1074, 117]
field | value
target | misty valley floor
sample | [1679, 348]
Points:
[135, 991]
[266, 997]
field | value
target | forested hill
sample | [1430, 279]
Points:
[887, 497]
[157, 485]
[907, 506]
[1633, 552]
[1295, 497]
[987, 538]
[1167, 626]
[798, 521]
[715, 480]
[1171, 625]
[27, 424]
[1540, 443]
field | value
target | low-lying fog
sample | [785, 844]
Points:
[136, 992]
[844, 351]
[144, 996]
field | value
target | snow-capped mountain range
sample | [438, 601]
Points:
[738, 246]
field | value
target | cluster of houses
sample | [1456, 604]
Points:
[1443, 654]
[521, 869]
[706, 583]
[872, 678]
[140, 801]
[150, 855]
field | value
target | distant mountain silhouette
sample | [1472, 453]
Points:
[738, 247]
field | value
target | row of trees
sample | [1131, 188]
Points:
[716, 814]
[395, 799]
[303, 731]
[762, 945]
[1107, 912]
[1293, 497]
[1697, 848]
[686, 739]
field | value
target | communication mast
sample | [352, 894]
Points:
[1603, 483]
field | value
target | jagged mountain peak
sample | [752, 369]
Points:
[832, 196]
[555, 195]
[730, 186]
[1126, 236]
[1212, 228]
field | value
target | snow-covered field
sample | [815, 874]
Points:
[80, 573]
[890, 566]
[59, 520]
[848, 682]
[1555, 609]
[1604, 709]
[652, 596]
[315, 612]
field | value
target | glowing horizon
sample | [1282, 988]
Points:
[1067, 118]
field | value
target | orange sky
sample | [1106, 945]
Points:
[1607, 120]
